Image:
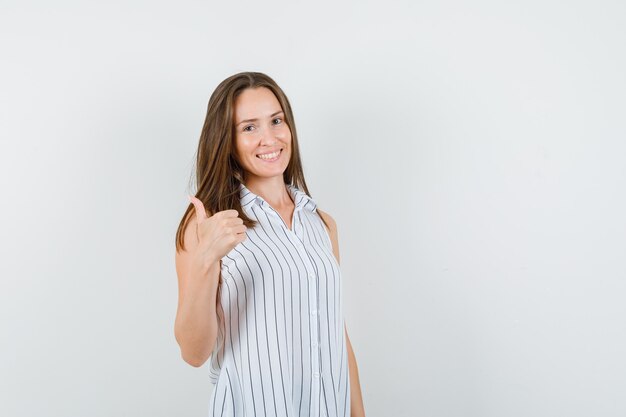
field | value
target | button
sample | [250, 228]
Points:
[311, 276]
[313, 312]
[316, 374]
[314, 344]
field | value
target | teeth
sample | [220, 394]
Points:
[269, 155]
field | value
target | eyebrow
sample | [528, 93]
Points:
[254, 120]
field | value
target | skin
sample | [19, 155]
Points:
[268, 132]
[356, 398]
[265, 134]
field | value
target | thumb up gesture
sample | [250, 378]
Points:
[219, 233]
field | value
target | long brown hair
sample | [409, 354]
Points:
[218, 174]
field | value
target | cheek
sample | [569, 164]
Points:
[242, 154]
[285, 134]
[243, 146]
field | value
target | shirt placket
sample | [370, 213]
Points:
[296, 237]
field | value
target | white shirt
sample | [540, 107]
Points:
[281, 346]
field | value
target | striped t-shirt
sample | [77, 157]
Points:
[281, 346]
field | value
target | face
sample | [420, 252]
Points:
[261, 130]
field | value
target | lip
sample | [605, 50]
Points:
[265, 153]
[272, 160]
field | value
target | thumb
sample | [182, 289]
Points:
[200, 210]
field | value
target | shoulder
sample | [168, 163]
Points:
[332, 231]
[329, 220]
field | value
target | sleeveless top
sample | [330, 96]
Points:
[281, 349]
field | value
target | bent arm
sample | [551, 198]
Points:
[195, 327]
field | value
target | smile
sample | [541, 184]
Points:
[270, 156]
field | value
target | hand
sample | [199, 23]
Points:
[217, 234]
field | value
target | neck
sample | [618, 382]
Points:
[273, 190]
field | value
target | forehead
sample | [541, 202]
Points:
[255, 102]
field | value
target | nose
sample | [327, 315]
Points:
[267, 138]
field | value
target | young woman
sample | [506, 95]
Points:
[258, 267]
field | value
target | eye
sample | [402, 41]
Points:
[245, 129]
[278, 118]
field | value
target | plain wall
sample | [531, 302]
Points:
[472, 154]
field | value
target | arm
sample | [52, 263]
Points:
[195, 327]
[356, 399]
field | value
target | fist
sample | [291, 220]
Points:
[219, 233]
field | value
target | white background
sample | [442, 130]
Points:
[472, 154]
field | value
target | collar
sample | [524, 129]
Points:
[300, 198]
